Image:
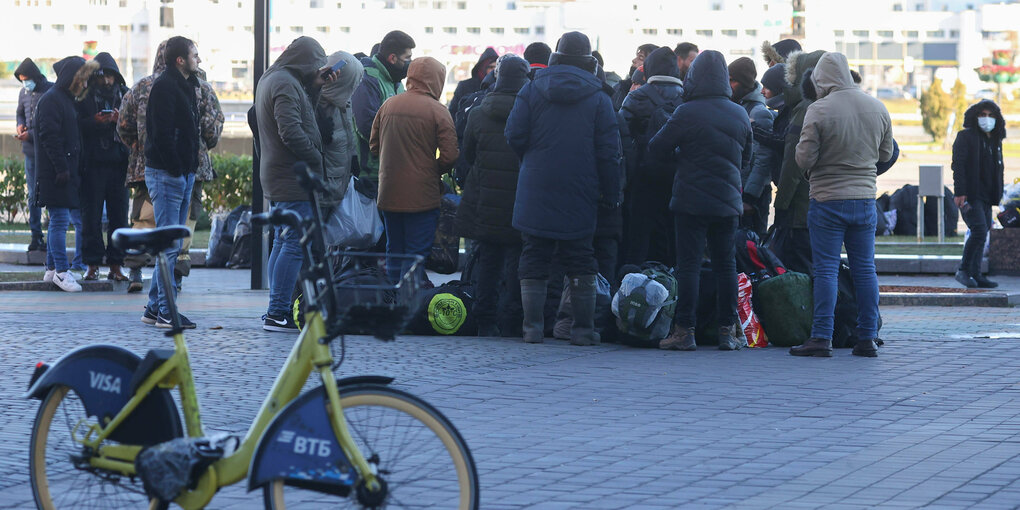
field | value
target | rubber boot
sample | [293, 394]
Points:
[582, 303]
[533, 302]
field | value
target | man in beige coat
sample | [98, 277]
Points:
[407, 132]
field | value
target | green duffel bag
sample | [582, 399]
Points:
[784, 307]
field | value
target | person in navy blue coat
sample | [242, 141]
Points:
[710, 137]
[565, 132]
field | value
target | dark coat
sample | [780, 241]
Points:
[27, 101]
[58, 139]
[486, 210]
[565, 132]
[474, 83]
[101, 144]
[756, 175]
[171, 122]
[711, 136]
[970, 177]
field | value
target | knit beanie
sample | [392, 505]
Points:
[774, 78]
[537, 53]
[742, 71]
[574, 49]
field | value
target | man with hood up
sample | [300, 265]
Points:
[336, 125]
[649, 223]
[711, 138]
[34, 85]
[383, 75]
[104, 168]
[754, 177]
[485, 65]
[408, 131]
[58, 156]
[288, 134]
[977, 183]
[486, 211]
[565, 132]
[845, 134]
[775, 54]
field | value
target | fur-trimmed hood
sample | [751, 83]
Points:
[780, 51]
[796, 63]
[73, 75]
[770, 54]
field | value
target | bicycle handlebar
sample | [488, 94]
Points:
[277, 217]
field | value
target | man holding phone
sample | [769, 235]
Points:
[104, 168]
[288, 134]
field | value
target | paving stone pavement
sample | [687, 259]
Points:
[932, 422]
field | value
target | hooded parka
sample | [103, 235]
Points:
[288, 132]
[474, 83]
[28, 100]
[977, 157]
[711, 138]
[58, 138]
[407, 131]
[101, 143]
[792, 191]
[339, 140]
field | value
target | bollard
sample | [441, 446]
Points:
[930, 185]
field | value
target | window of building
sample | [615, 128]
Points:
[390, 4]
[123, 3]
[729, 33]
[407, 4]
[37, 27]
[429, 30]
[674, 31]
[497, 30]
[81, 28]
[706, 33]
[316, 4]
[539, 30]
[743, 53]
[649, 31]
[322, 29]
[897, 7]
[717, 7]
[954, 33]
[935, 33]
[910, 33]
[511, 6]
[861, 33]
[125, 28]
[838, 33]
[239, 69]
[297, 29]
[461, 5]
[474, 30]
[276, 29]
[339, 5]
[885, 33]
[438, 5]
[247, 28]
[345, 30]
[143, 28]
[751, 32]
[522, 30]
[230, 28]
[104, 28]
[449, 30]
[58, 28]
[98, 2]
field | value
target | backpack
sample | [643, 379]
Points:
[844, 322]
[753, 259]
[636, 317]
[240, 252]
[660, 115]
[221, 241]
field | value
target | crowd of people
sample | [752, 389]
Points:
[567, 173]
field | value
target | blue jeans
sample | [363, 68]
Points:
[285, 260]
[978, 220]
[170, 196]
[835, 224]
[34, 211]
[409, 233]
[56, 249]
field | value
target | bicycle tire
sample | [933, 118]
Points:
[53, 475]
[373, 403]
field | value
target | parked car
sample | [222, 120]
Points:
[985, 94]
[891, 93]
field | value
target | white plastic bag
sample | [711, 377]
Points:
[354, 223]
[1009, 193]
[656, 295]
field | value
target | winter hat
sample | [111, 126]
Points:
[537, 53]
[778, 52]
[742, 71]
[511, 74]
[661, 62]
[574, 49]
[774, 78]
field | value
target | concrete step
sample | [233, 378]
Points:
[17, 253]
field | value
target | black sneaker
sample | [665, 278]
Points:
[149, 317]
[164, 322]
[284, 324]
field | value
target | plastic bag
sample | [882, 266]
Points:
[752, 329]
[354, 223]
[218, 221]
[167, 469]
[1010, 193]
[655, 295]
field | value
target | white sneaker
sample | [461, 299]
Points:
[66, 282]
[48, 277]
[77, 276]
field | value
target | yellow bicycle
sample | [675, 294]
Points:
[108, 433]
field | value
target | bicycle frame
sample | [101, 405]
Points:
[310, 352]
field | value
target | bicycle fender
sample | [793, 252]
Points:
[101, 377]
[299, 445]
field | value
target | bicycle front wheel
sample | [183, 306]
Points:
[416, 451]
[57, 483]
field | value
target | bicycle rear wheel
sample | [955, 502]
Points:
[56, 482]
[418, 453]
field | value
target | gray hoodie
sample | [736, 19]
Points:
[845, 134]
[341, 143]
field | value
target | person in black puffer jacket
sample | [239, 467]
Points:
[711, 138]
[34, 86]
[486, 209]
[649, 180]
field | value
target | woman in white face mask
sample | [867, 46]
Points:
[977, 179]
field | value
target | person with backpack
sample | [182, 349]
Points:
[754, 177]
[564, 130]
[649, 180]
[710, 137]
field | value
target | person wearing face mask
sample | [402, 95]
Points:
[104, 168]
[34, 85]
[384, 72]
[977, 182]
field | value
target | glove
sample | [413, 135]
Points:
[62, 179]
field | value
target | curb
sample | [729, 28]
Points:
[86, 286]
[987, 299]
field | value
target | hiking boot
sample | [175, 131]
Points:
[48, 275]
[984, 283]
[135, 276]
[37, 244]
[966, 280]
[582, 304]
[66, 282]
[817, 347]
[866, 349]
[728, 340]
[115, 274]
[279, 323]
[680, 339]
[92, 274]
[165, 323]
[149, 316]
[533, 301]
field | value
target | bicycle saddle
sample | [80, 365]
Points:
[149, 240]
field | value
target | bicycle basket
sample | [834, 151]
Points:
[368, 301]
